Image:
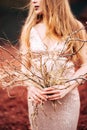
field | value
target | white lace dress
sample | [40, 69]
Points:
[65, 115]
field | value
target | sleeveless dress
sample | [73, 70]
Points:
[66, 113]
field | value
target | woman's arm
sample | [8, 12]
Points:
[80, 75]
[59, 91]
[35, 93]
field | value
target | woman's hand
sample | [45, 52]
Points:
[54, 93]
[36, 95]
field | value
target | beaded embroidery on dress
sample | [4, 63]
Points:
[66, 114]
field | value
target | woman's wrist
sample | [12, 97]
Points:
[71, 84]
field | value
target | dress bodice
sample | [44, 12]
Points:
[38, 45]
[48, 63]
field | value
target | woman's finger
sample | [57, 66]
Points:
[54, 91]
[48, 89]
[36, 98]
[53, 97]
[42, 97]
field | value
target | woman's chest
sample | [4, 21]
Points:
[47, 44]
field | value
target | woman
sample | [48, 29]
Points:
[52, 42]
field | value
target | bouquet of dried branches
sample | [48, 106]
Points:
[53, 68]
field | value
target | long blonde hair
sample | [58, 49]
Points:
[59, 20]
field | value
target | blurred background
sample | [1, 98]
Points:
[14, 110]
[12, 16]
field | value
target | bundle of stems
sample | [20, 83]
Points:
[52, 69]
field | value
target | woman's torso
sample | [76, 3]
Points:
[48, 61]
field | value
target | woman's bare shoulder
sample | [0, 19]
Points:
[82, 28]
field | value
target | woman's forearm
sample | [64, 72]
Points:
[78, 78]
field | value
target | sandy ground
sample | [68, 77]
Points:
[14, 109]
